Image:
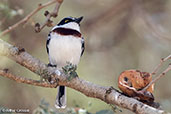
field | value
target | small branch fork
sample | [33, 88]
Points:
[156, 70]
[48, 15]
[25, 20]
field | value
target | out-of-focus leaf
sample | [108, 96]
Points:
[105, 112]
[115, 108]
[82, 111]
[6, 11]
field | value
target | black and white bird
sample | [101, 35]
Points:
[65, 44]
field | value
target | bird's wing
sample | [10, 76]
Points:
[83, 46]
[47, 43]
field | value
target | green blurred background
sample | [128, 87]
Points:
[119, 35]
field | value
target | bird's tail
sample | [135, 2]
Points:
[61, 97]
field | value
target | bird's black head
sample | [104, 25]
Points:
[70, 19]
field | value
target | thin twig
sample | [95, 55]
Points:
[48, 22]
[157, 78]
[159, 65]
[7, 74]
[24, 20]
[156, 69]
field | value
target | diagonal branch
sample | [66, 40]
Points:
[106, 94]
[24, 20]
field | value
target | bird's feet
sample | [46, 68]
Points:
[47, 76]
[70, 70]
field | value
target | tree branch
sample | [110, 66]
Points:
[106, 94]
[7, 74]
[24, 20]
[48, 15]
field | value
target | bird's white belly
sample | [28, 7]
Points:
[64, 49]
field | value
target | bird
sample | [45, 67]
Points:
[65, 44]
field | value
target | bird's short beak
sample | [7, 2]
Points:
[78, 20]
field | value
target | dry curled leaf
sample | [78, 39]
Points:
[131, 82]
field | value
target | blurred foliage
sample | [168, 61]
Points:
[44, 108]
[7, 13]
[70, 70]
[115, 108]
[119, 35]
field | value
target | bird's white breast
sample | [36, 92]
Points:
[64, 49]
